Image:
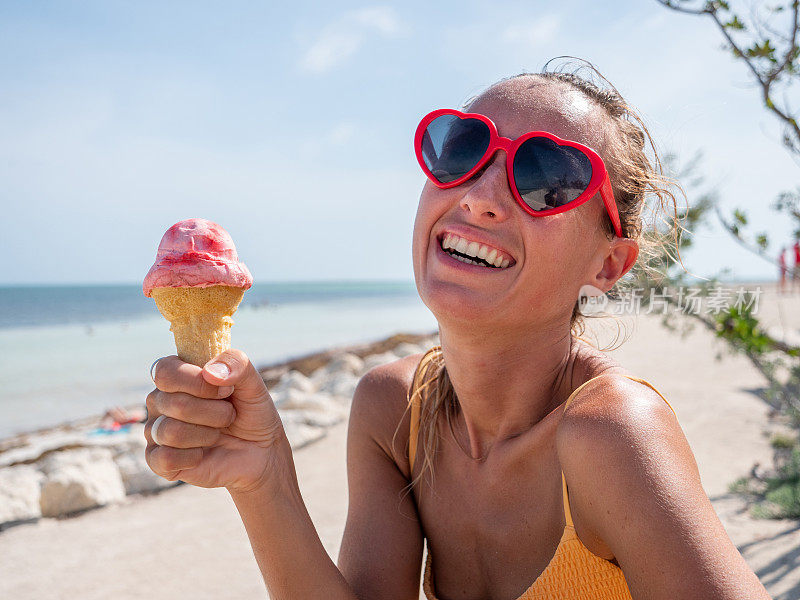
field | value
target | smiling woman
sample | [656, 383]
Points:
[532, 464]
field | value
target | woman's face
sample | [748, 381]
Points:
[549, 258]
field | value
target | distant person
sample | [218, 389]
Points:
[796, 270]
[117, 417]
[534, 464]
[782, 267]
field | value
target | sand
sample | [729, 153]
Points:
[189, 542]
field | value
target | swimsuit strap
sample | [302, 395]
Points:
[415, 402]
[565, 496]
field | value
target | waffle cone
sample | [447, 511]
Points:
[200, 319]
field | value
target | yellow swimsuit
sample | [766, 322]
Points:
[574, 573]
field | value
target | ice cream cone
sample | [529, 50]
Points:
[197, 283]
[200, 319]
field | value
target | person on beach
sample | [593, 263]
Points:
[783, 270]
[796, 269]
[532, 464]
[117, 417]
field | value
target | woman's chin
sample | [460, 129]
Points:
[451, 303]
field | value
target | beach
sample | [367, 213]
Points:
[186, 542]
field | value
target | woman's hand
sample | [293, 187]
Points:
[220, 426]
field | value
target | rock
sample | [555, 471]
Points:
[341, 386]
[406, 349]
[20, 491]
[295, 399]
[314, 418]
[137, 476]
[430, 342]
[377, 360]
[346, 362]
[288, 399]
[36, 445]
[79, 479]
[319, 410]
[293, 380]
[301, 434]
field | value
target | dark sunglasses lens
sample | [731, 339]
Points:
[452, 146]
[548, 175]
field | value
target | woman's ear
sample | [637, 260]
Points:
[620, 257]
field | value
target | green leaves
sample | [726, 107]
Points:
[715, 5]
[763, 50]
[738, 326]
[739, 219]
[734, 23]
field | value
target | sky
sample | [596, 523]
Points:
[291, 124]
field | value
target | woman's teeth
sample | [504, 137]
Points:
[468, 252]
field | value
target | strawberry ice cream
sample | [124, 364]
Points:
[196, 253]
[197, 283]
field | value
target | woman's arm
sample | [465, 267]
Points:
[292, 559]
[633, 482]
[381, 551]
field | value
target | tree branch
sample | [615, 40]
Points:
[790, 54]
[678, 8]
[770, 75]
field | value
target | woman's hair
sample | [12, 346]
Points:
[635, 178]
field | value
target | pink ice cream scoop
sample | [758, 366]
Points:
[196, 253]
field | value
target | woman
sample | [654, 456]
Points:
[533, 465]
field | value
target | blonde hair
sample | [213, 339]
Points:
[634, 177]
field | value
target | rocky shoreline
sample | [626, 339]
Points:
[73, 467]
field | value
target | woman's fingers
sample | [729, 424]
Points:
[178, 434]
[169, 462]
[233, 368]
[187, 408]
[171, 374]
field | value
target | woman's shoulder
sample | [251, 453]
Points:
[605, 390]
[634, 488]
[608, 401]
[612, 398]
[617, 427]
[388, 385]
[380, 406]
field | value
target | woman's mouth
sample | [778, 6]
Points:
[474, 253]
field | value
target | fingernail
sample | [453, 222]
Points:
[153, 369]
[154, 429]
[225, 391]
[220, 370]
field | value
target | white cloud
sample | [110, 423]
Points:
[331, 49]
[341, 134]
[380, 18]
[341, 39]
[534, 33]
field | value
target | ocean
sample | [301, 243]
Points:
[74, 351]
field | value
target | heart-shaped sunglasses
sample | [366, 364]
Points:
[547, 175]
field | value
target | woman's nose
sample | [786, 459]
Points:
[489, 196]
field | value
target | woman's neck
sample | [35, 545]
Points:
[506, 386]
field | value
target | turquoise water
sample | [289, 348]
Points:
[68, 355]
[41, 306]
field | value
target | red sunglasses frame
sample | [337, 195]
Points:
[599, 181]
